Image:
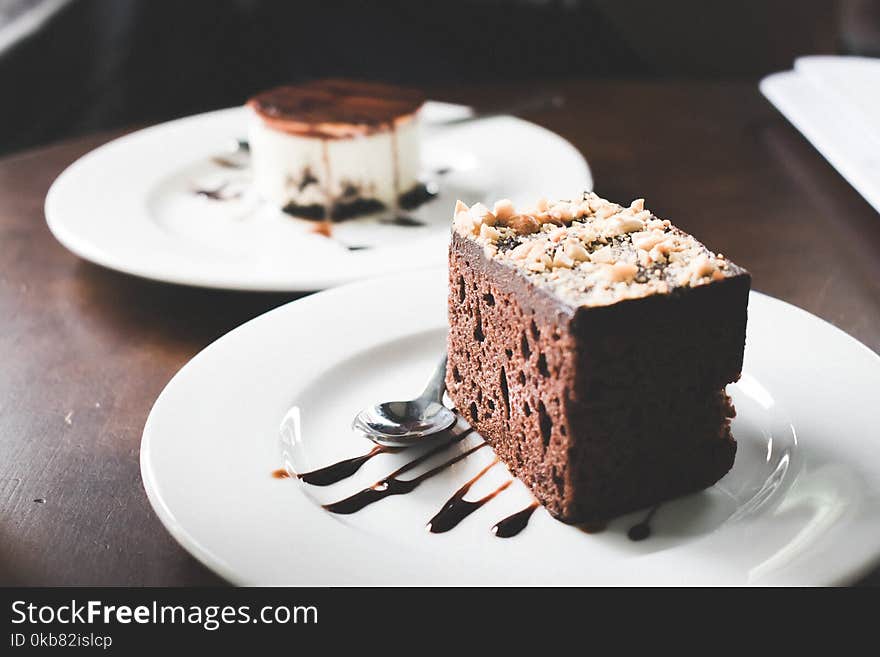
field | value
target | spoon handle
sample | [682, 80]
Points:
[437, 383]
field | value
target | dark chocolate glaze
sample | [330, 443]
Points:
[391, 485]
[226, 163]
[340, 212]
[217, 194]
[457, 508]
[332, 201]
[308, 178]
[358, 206]
[341, 470]
[395, 165]
[418, 195]
[642, 530]
[335, 108]
[314, 212]
[514, 524]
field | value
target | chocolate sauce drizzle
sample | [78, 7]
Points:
[457, 508]
[226, 163]
[217, 194]
[515, 523]
[328, 182]
[394, 162]
[403, 221]
[420, 194]
[454, 510]
[341, 470]
[391, 485]
[642, 530]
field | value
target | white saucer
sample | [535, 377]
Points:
[801, 505]
[131, 205]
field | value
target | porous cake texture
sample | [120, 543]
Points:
[590, 344]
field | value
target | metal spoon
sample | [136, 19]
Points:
[407, 423]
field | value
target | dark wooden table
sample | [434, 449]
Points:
[84, 351]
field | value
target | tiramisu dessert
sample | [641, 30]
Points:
[590, 344]
[333, 149]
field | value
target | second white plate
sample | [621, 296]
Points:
[133, 204]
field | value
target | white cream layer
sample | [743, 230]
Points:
[279, 161]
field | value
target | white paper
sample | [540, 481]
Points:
[835, 103]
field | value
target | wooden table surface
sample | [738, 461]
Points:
[85, 351]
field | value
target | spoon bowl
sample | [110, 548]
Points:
[406, 423]
[403, 423]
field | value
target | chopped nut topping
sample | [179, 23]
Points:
[562, 259]
[628, 223]
[481, 214]
[645, 241]
[592, 251]
[604, 255]
[503, 209]
[576, 251]
[488, 233]
[622, 271]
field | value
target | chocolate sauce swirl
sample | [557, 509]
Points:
[515, 523]
[642, 530]
[341, 470]
[457, 508]
[218, 193]
[391, 485]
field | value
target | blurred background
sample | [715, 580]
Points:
[69, 67]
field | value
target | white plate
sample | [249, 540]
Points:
[130, 204]
[801, 505]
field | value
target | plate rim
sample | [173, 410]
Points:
[62, 228]
[209, 559]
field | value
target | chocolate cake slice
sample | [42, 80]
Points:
[590, 345]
